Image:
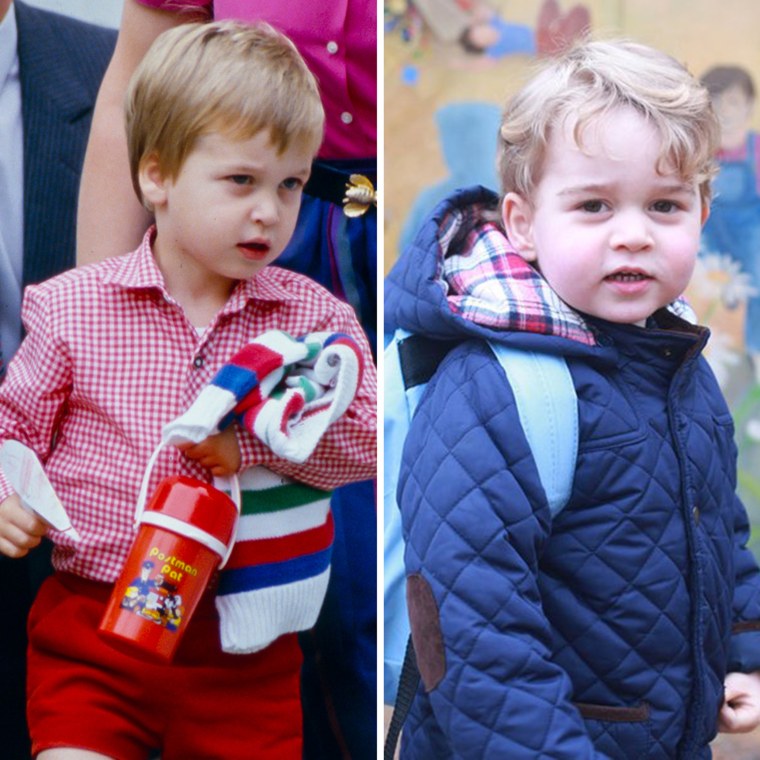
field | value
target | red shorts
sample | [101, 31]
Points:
[206, 704]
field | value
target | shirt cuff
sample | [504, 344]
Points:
[744, 654]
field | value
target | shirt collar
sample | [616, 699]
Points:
[8, 45]
[139, 271]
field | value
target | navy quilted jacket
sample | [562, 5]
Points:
[608, 631]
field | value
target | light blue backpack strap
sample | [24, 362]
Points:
[548, 409]
[398, 411]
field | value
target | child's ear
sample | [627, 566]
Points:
[517, 216]
[152, 181]
[705, 212]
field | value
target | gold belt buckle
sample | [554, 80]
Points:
[360, 195]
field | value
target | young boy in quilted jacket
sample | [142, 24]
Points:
[627, 625]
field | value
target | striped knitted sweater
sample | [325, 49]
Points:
[287, 392]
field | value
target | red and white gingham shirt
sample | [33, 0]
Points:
[110, 358]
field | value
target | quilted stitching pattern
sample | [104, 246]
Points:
[487, 569]
[626, 599]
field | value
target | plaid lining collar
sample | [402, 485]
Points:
[487, 282]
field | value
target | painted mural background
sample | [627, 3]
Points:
[451, 64]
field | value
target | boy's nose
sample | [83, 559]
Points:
[265, 209]
[631, 232]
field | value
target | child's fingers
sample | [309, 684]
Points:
[9, 549]
[191, 450]
[212, 462]
[198, 451]
[20, 529]
[741, 709]
[13, 513]
[726, 718]
[737, 720]
[217, 467]
[218, 453]
[31, 524]
[16, 543]
[221, 470]
[205, 459]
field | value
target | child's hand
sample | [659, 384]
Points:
[20, 529]
[219, 453]
[741, 710]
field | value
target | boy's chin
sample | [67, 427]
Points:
[634, 317]
[632, 321]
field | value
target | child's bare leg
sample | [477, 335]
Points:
[71, 753]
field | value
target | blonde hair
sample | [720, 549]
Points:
[222, 76]
[589, 81]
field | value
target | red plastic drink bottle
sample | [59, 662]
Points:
[184, 534]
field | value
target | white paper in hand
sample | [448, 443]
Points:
[25, 473]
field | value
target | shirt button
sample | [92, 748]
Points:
[667, 352]
[346, 117]
[198, 362]
[332, 47]
[695, 513]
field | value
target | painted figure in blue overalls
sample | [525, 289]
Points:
[733, 227]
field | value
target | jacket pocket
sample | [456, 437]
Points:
[619, 732]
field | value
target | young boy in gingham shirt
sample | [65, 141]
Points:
[116, 350]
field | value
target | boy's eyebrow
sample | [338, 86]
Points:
[582, 189]
[593, 187]
[244, 167]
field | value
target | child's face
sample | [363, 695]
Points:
[231, 210]
[612, 237]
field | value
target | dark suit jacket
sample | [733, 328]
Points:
[61, 63]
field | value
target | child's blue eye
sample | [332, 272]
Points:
[241, 179]
[292, 183]
[593, 207]
[664, 207]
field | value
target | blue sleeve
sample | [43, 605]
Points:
[475, 521]
[745, 641]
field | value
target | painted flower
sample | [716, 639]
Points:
[717, 276]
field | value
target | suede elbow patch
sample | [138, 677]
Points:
[426, 631]
[746, 627]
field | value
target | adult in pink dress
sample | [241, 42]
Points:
[338, 40]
